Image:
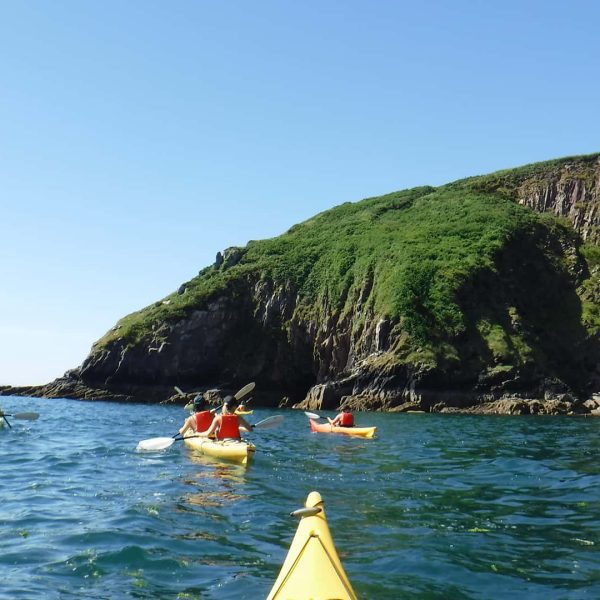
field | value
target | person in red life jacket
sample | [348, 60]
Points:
[227, 425]
[344, 419]
[201, 419]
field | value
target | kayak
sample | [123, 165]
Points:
[367, 432]
[239, 451]
[244, 412]
[312, 569]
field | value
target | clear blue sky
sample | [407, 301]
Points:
[138, 138]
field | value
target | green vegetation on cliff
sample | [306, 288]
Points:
[590, 290]
[461, 270]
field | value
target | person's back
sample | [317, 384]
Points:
[227, 424]
[201, 419]
[346, 419]
[229, 428]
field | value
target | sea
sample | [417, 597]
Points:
[435, 506]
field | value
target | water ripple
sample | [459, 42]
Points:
[435, 506]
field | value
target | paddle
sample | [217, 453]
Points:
[162, 443]
[269, 422]
[157, 443]
[238, 395]
[245, 391]
[312, 415]
[26, 416]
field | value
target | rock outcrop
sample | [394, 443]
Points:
[572, 192]
[567, 188]
[521, 346]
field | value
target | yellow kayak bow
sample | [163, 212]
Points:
[312, 569]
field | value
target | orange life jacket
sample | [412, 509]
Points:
[203, 420]
[229, 427]
[347, 420]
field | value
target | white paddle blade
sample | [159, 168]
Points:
[159, 443]
[269, 422]
[245, 390]
[312, 415]
[26, 416]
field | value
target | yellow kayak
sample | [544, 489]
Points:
[238, 451]
[244, 412]
[312, 569]
[367, 432]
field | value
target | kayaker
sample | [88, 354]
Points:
[227, 424]
[344, 419]
[201, 419]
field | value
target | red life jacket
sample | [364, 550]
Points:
[229, 427]
[203, 420]
[346, 420]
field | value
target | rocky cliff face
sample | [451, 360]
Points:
[570, 193]
[323, 355]
[237, 337]
[569, 188]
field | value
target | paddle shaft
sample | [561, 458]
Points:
[242, 393]
[264, 424]
[164, 443]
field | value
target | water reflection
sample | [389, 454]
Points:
[217, 469]
[215, 483]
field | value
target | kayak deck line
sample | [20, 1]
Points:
[312, 568]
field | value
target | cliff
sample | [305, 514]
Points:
[455, 297]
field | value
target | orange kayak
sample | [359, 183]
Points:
[366, 432]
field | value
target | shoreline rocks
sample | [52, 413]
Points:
[327, 397]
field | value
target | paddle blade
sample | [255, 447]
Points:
[178, 390]
[269, 422]
[158, 443]
[245, 391]
[312, 415]
[26, 416]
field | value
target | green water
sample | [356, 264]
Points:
[436, 506]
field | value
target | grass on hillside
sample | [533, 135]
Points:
[418, 247]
